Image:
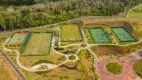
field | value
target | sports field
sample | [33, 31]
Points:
[39, 43]
[122, 34]
[70, 33]
[19, 38]
[99, 36]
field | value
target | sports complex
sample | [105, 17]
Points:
[31, 43]
[99, 35]
[18, 39]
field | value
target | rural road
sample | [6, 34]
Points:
[12, 64]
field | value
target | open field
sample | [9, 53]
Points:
[99, 36]
[60, 73]
[135, 13]
[18, 38]
[137, 67]
[39, 43]
[70, 33]
[6, 71]
[52, 58]
[115, 50]
[122, 34]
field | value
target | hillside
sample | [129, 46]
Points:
[31, 13]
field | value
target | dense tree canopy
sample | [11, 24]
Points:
[17, 17]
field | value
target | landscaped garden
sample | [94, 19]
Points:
[72, 57]
[114, 68]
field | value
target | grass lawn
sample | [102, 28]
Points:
[122, 34]
[135, 13]
[39, 43]
[51, 58]
[70, 33]
[137, 67]
[114, 68]
[99, 36]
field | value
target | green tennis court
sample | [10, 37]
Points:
[122, 34]
[19, 38]
[99, 36]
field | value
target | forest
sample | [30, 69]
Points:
[20, 14]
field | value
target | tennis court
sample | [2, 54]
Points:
[19, 38]
[39, 43]
[99, 35]
[122, 34]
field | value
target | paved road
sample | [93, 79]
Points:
[12, 64]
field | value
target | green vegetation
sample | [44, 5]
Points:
[136, 12]
[70, 33]
[122, 34]
[3, 37]
[99, 36]
[137, 67]
[114, 68]
[72, 57]
[83, 45]
[38, 44]
[19, 17]
[42, 61]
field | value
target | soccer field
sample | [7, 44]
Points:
[99, 36]
[122, 34]
[39, 43]
[19, 38]
[70, 33]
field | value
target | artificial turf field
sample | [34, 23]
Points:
[122, 34]
[19, 38]
[70, 33]
[39, 43]
[99, 36]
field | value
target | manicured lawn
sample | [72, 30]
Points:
[70, 33]
[39, 43]
[99, 36]
[122, 34]
[114, 68]
[137, 67]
